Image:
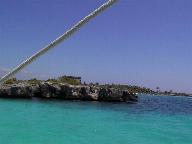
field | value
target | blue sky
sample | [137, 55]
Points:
[138, 42]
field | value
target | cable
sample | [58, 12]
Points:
[56, 42]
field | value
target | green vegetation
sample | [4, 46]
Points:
[11, 81]
[33, 81]
[70, 80]
[64, 79]
[52, 81]
[132, 89]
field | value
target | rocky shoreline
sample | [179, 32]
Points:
[65, 91]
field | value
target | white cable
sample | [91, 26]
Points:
[60, 39]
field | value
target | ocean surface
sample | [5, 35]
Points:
[153, 120]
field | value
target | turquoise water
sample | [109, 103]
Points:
[154, 120]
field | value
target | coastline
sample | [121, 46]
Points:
[71, 88]
[64, 91]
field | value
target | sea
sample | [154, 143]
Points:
[153, 120]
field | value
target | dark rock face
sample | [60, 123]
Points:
[129, 97]
[48, 91]
[36, 91]
[66, 92]
[112, 95]
[109, 95]
[88, 94]
[16, 91]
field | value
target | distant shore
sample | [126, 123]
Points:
[174, 94]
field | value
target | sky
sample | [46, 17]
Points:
[135, 42]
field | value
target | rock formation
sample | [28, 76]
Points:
[66, 92]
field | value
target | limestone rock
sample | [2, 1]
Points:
[66, 92]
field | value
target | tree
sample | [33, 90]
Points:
[170, 91]
[158, 89]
